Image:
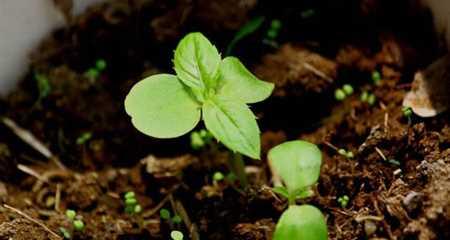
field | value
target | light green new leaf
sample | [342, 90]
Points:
[297, 163]
[304, 222]
[197, 62]
[234, 124]
[161, 107]
[281, 190]
[237, 82]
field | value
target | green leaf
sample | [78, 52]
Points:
[232, 123]
[281, 190]
[304, 193]
[160, 106]
[197, 62]
[176, 235]
[164, 214]
[176, 219]
[304, 222]
[297, 163]
[238, 83]
[247, 29]
[43, 85]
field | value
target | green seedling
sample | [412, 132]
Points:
[371, 99]
[407, 113]
[250, 27]
[341, 93]
[176, 235]
[94, 72]
[348, 89]
[100, 65]
[298, 165]
[66, 234]
[200, 139]
[376, 78]
[364, 96]
[204, 87]
[272, 33]
[343, 201]
[71, 214]
[165, 214]
[218, 176]
[43, 85]
[83, 138]
[77, 223]
[304, 222]
[367, 97]
[345, 153]
[131, 204]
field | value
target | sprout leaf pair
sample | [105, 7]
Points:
[298, 165]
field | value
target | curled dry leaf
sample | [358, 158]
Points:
[167, 167]
[430, 92]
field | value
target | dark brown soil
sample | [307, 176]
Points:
[398, 182]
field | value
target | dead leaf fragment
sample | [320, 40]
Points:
[430, 92]
[167, 167]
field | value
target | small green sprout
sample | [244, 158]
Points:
[204, 87]
[407, 111]
[100, 65]
[376, 78]
[276, 24]
[298, 165]
[129, 195]
[218, 176]
[176, 219]
[200, 139]
[343, 201]
[339, 94]
[71, 214]
[131, 204]
[345, 153]
[367, 97]
[43, 85]
[272, 33]
[371, 99]
[364, 96]
[165, 214]
[303, 222]
[66, 234]
[274, 29]
[94, 72]
[348, 89]
[83, 138]
[250, 27]
[176, 235]
[77, 223]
